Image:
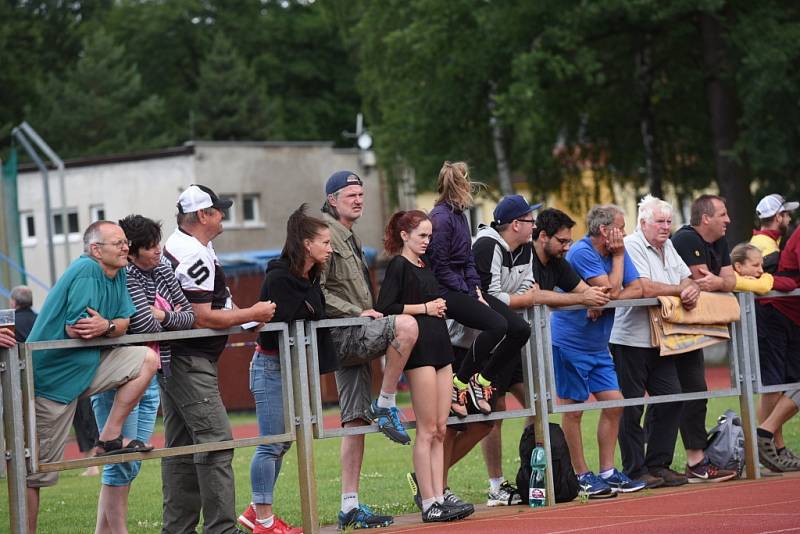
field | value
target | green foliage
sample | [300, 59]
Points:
[99, 107]
[229, 103]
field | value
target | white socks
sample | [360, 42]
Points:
[349, 501]
[386, 400]
[607, 473]
[427, 503]
[266, 523]
[495, 483]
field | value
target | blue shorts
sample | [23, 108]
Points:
[580, 373]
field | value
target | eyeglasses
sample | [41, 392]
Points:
[525, 220]
[116, 244]
[563, 242]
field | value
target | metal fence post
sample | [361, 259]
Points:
[305, 433]
[538, 342]
[15, 444]
[747, 348]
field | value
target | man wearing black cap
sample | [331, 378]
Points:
[348, 293]
[190, 399]
[503, 259]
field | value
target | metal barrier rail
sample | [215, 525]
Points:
[759, 386]
[19, 417]
[739, 344]
[299, 353]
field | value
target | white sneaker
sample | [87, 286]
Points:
[505, 495]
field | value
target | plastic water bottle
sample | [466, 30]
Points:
[537, 493]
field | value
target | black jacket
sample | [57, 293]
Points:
[296, 299]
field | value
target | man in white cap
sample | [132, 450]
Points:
[190, 399]
[774, 215]
[776, 335]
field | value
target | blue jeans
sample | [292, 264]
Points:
[265, 384]
[138, 425]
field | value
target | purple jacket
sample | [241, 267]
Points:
[450, 251]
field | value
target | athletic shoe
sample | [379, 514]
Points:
[363, 517]
[671, 478]
[388, 420]
[480, 395]
[505, 495]
[439, 513]
[412, 481]
[451, 500]
[248, 518]
[705, 471]
[595, 487]
[620, 483]
[789, 460]
[458, 402]
[650, 481]
[278, 527]
[768, 454]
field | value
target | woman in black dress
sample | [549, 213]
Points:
[411, 288]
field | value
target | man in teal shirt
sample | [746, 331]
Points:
[89, 301]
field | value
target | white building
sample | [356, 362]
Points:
[266, 180]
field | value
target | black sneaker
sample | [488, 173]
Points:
[463, 509]
[479, 395]
[412, 481]
[363, 517]
[705, 471]
[438, 513]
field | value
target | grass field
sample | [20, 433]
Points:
[70, 506]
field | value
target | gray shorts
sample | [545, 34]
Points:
[53, 419]
[356, 347]
[794, 396]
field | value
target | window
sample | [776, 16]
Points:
[250, 210]
[27, 228]
[229, 215]
[97, 213]
[72, 227]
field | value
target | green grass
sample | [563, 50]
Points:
[71, 505]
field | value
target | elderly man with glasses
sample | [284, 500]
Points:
[89, 301]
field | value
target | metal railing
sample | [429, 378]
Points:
[304, 415]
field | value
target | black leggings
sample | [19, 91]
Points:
[503, 333]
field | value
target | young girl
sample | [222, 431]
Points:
[748, 262]
[292, 283]
[410, 287]
[503, 333]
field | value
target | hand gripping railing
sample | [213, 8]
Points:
[19, 417]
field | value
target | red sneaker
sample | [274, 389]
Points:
[278, 527]
[248, 518]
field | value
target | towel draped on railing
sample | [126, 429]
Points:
[676, 330]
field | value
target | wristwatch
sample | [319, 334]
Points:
[112, 326]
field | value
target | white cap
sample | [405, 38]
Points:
[197, 197]
[773, 204]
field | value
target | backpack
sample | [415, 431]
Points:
[725, 445]
[565, 483]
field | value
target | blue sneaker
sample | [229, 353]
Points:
[363, 517]
[388, 420]
[620, 483]
[595, 487]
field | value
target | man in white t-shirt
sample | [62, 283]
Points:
[190, 399]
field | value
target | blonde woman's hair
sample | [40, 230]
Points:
[741, 251]
[454, 186]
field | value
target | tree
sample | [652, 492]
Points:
[99, 106]
[230, 103]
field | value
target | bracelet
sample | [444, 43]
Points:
[426, 307]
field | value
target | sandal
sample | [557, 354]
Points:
[114, 446]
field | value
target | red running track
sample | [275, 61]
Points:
[763, 506]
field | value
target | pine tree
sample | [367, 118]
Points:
[230, 104]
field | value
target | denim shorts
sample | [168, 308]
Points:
[580, 373]
[138, 425]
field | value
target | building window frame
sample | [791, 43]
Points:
[73, 230]
[27, 228]
[253, 219]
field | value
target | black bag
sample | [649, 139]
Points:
[565, 483]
